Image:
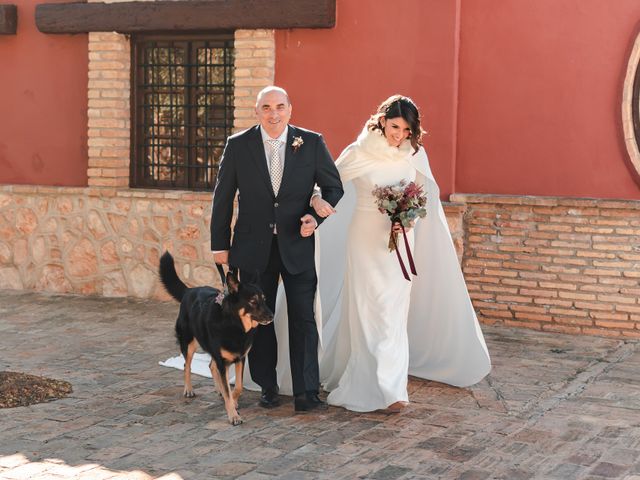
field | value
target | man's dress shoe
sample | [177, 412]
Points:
[308, 401]
[269, 398]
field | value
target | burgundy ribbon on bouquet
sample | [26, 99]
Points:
[412, 265]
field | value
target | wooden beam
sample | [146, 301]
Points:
[184, 15]
[8, 19]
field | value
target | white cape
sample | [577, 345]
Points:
[445, 340]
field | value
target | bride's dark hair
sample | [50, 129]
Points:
[399, 106]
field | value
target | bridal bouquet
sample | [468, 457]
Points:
[403, 203]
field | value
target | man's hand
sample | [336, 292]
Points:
[322, 207]
[308, 225]
[222, 257]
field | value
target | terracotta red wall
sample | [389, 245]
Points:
[540, 92]
[537, 108]
[43, 105]
[337, 77]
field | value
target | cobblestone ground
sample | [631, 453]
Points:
[554, 407]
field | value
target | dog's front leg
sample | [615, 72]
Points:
[237, 391]
[221, 379]
[191, 350]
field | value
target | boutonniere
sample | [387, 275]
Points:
[297, 143]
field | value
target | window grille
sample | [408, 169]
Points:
[183, 109]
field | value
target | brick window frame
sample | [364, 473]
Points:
[182, 107]
[109, 92]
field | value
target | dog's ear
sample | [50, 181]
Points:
[232, 282]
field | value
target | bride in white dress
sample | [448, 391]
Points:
[382, 327]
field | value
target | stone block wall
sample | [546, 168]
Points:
[551, 264]
[554, 264]
[96, 241]
[79, 240]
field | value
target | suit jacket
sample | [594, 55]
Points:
[243, 169]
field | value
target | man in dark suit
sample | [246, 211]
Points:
[274, 167]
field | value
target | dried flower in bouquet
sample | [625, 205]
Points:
[403, 203]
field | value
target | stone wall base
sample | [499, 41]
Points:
[103, 241]
[97, 241]
[551, 264]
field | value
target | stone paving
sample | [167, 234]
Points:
[554, 407]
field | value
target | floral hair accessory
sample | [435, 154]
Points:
[297, 143]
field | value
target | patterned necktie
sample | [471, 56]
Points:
[275, 165]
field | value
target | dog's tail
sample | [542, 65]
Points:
[169, 277]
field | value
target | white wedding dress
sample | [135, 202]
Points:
[381, 327]
[376, 327]
[372, 330]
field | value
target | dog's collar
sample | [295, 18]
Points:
[221, 296]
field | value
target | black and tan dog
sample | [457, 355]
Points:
[222, 325]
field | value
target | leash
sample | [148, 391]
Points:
[223, 277]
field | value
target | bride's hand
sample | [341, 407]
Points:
[322, 207]
[397, 227]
